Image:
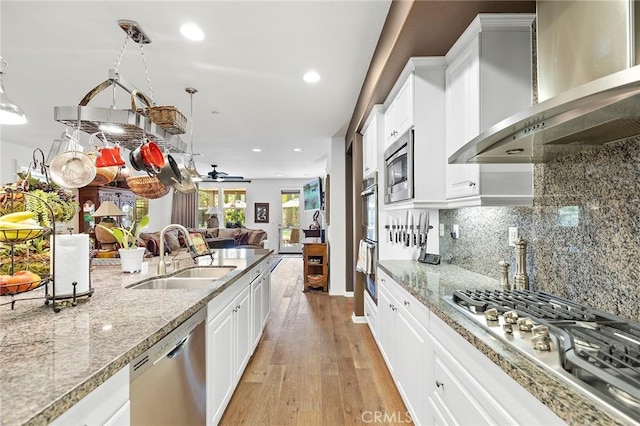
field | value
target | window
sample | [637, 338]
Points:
[234, 207]
[208, 206]
[142, 207]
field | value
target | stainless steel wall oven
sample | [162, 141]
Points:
[368, 249]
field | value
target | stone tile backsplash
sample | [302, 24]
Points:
[583, 231]
[484, 238]
[587, 227]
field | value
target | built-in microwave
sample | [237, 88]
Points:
[398, 163]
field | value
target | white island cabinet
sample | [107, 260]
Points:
[442, 378]
[235, 320]
[106, 405]
[488, 78]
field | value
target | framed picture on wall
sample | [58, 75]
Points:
[261, 213]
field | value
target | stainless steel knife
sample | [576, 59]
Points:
[406, 229]
[419, 230]
[409, 241]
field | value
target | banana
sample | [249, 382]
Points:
[17, 216]
[13, 225]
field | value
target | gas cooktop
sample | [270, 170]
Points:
[595, 351]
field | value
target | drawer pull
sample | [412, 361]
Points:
[406, 303]
[439, 384]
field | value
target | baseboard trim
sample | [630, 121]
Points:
[358, 319]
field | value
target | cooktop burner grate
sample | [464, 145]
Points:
[526, 303]
[599, 349]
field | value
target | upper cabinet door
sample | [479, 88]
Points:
[398, 118]
[488, 78]
[371, 140]
[463, 118]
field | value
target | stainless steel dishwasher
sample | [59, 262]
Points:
[168, 381]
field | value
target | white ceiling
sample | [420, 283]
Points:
[249, 68]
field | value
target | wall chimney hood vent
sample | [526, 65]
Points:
[599, 112]
[588, 86]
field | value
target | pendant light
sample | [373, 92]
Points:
[10, 113]
[191, 166]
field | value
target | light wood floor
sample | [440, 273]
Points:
[313, 366]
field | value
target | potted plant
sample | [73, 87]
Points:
[131, 255]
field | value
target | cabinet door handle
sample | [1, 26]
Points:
[471, 183]
[439, 384]
[406, 303]
[238, 307]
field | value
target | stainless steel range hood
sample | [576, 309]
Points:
[600, 111]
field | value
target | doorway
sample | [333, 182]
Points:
[289, 240]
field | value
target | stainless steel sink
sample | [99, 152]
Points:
[213, 272]
[174, 283]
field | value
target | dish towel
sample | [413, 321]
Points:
[364, 263]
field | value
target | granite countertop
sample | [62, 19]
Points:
[49, 361]
[429, 283]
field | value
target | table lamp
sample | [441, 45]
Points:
[107, 211]
[213, 221]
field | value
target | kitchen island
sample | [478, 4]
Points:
[50, 361]
[430, 283]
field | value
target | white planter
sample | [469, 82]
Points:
[131, 260]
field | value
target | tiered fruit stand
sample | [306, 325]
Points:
[16, 238]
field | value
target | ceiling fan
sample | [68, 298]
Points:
[218, 176]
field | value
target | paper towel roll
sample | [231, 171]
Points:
[71, 264]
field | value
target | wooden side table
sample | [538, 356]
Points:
[316, 263]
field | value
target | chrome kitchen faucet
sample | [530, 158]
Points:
[162, 266]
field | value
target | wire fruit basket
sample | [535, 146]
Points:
[147, 186]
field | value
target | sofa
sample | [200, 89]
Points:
[233, 237]
[215, 238]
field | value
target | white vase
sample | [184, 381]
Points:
[131, 260]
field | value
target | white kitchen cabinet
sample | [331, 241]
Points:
[266, 297]
[417, 101]
[386, 325]
[398, 117]
[371, 314]
[220, 368]
[403, 340]
[261, 303]
[372, 133]
[488, 78]
[242, 332]
[467, 388]
[231, 329]
[228, 351]
[108, 404]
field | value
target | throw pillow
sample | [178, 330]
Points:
[242, 239]
[171, 238]
[256, 237]
[228, 233]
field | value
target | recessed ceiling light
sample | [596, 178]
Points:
[298, 149]
[111, 128]
[311, 77]
[279, 174]
[256, 150]
[192, 32]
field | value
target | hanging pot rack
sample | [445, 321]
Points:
[135, 125]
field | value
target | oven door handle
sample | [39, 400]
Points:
[367, 192]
